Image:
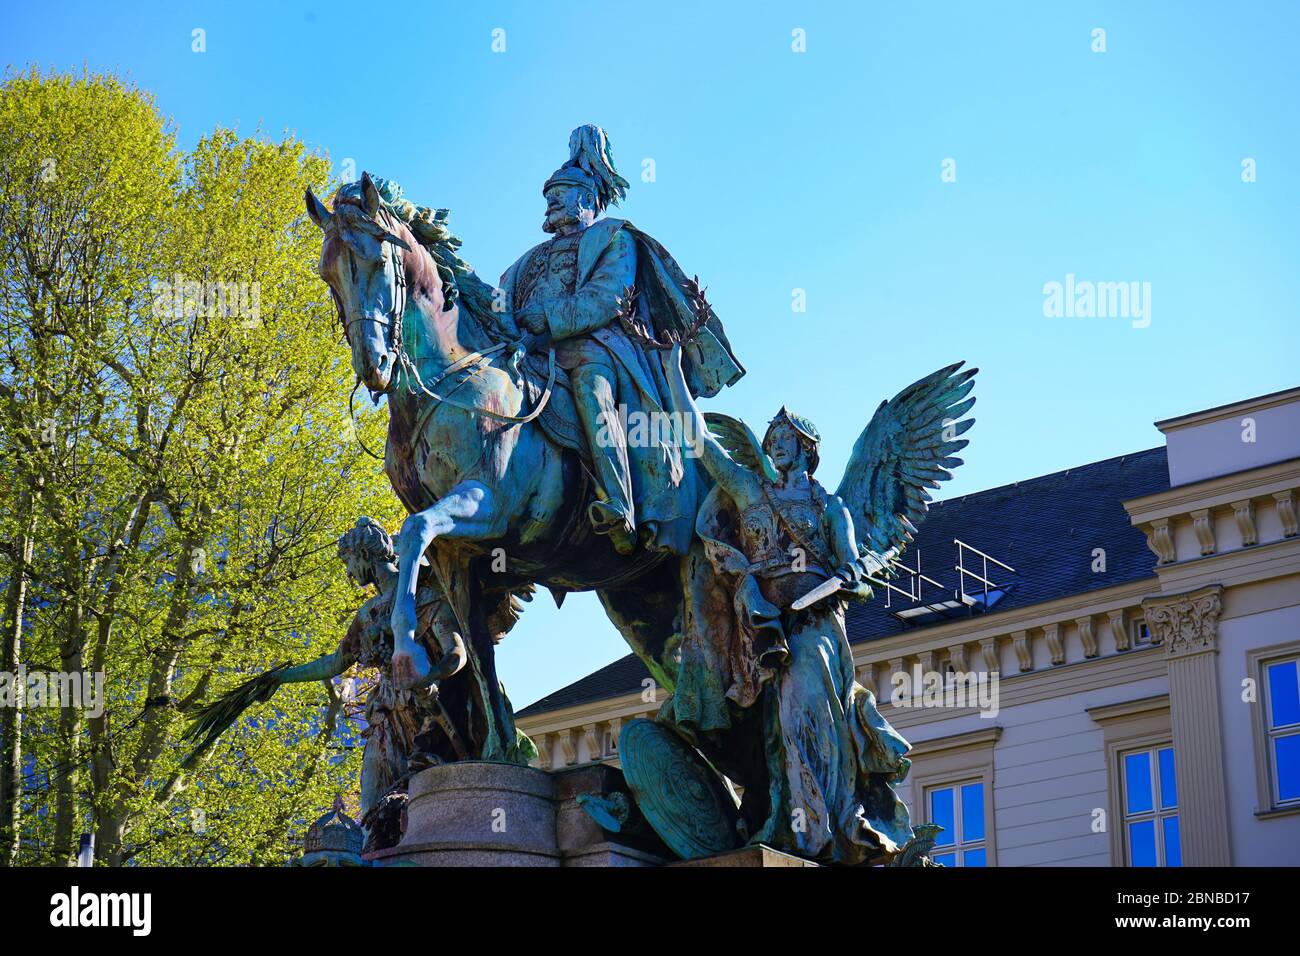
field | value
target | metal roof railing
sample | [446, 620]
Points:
[982, 578]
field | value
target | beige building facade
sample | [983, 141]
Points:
[1094, 668]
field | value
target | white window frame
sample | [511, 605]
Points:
[960, 845]
[1258, 661]
[1157, 813]
[955, 760]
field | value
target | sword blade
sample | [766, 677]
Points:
[825, 589]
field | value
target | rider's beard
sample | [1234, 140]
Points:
[557, 221]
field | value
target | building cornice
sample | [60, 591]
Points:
[1232, 410]
[1221, 491]
[977, 627]
[624, 706]
[1260, 562]
[1078, 677]
[1128, 709]
[975, 739]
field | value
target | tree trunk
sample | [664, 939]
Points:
[67, 768]
[11, 718]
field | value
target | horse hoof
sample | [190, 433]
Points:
[411, 668]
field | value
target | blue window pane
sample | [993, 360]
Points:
[1142, 843]
[972, 812]
[1137, 776]
[974, 858]
[1284, 694]
[1168, 781]
[1286, 752]
[1173, 847]
[941, 813]
[945, 859]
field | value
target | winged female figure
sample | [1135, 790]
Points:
[765, 648]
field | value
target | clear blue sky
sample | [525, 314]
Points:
[778, 170]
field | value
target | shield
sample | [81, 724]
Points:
[685, 799]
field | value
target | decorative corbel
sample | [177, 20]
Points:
[1052, 632]
[1287, 513]
[1087, 636]
[543, 744]
[989, 651]
[1160, 539]
[867, 677]
[957, 658]
[569, 746]
[1024, 651]
[1119, 628]
[1203, 525]
[591, 737]
[1244, 512]
[897, 665]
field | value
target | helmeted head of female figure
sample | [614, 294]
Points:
[792, 442]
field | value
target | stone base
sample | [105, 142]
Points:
[478, 813]
[749, 856]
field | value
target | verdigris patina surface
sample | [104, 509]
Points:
[546, 431]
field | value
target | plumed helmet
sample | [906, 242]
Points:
[591, 165]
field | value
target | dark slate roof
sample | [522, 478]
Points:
[613, 680]
[1046, 528]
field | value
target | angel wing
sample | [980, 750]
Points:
[741, 444]
[907, 448]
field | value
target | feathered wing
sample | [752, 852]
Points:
[740, 443]
[906, 449]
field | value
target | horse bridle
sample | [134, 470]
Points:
[404, 362]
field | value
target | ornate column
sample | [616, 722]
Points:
[1188, 627]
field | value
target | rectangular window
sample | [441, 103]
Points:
[1282, 710]
[1150, 802]
[959, 809]
[1141, 633]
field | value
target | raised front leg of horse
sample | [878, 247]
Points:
[464, 512]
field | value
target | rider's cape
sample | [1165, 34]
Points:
[710, 364]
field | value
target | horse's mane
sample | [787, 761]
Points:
[460, 284]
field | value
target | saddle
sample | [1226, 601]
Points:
[559, 419]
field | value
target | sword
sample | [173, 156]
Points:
[825, 589]
[871, 567]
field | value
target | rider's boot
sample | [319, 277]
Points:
[613, 513]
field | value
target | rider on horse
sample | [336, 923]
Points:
[592, 291]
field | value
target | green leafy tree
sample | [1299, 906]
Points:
[178, 461]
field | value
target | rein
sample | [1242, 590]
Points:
[415, 383]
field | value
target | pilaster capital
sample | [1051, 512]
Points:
[1185, 623]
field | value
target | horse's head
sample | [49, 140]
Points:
[362, 261]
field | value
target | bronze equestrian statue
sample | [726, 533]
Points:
[546, 431]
